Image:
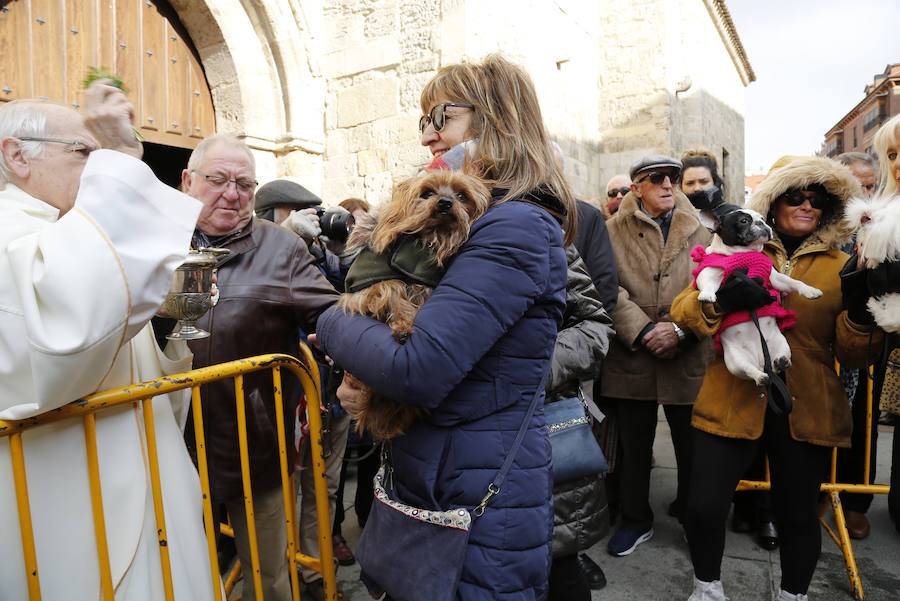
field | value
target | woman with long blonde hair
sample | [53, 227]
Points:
[482, 343]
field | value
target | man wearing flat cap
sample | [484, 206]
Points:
[651, 361]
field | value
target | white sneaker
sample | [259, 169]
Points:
[783, 595]
[707, 591]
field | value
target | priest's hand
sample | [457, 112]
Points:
[108, 116]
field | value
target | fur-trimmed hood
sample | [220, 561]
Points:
[801, 172]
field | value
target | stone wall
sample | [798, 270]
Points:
[328, 90]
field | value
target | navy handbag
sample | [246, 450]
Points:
[416, 554]
[576, 452]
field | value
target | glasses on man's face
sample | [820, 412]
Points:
[616, 191]
[438, 116]
[658, 177]
[218, 182]
[796, 198]
[73, 146]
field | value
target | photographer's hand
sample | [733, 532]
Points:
[304, 223]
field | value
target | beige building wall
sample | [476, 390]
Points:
[328, 90]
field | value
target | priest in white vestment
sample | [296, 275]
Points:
[89, 241]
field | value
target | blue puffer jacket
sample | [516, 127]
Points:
[479, 348]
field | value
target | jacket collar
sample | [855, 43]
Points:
[684, 223]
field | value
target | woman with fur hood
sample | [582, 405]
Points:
[803, 200]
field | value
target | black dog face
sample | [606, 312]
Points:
[742, 227]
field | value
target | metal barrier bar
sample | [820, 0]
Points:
[308, 376]
[153, 462]
[287, 484]
[248, 489]
[90, 440]
[25, 527]
[325, 563]
[203, 469]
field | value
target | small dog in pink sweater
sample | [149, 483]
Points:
[737, 244]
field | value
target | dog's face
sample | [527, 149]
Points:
[744, 227]
[439, 206]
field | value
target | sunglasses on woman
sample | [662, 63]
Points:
[437, 117]
[658, 177]
[795, 198]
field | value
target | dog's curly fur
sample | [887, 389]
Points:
[419, 208]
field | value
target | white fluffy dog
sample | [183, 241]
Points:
[878, 242]
[740, 236]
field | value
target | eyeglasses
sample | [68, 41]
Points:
[658, 177]
[437, 117]
[795, 198]
[82, 148]
[616, 191]
[217, 182]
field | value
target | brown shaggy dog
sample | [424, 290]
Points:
[420, 230]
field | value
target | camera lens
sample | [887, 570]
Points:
[335, 224]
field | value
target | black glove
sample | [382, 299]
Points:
[884, 278]
[855, 292]
[742, 293]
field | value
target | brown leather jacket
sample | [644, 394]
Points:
[269, 290]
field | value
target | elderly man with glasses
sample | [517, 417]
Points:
[616, 189]
[90, 240]
[271, 292]
[651, 361]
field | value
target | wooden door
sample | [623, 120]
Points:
[47, 46]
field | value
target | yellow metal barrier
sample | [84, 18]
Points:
[306, 372]
[833, 488]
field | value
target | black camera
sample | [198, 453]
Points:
[336, 224]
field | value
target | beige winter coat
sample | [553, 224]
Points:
[651, 274]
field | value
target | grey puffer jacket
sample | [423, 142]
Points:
[579, 506]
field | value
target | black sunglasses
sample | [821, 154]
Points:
[616, 191]
[795, 198]
[658, 177]
[437, 115]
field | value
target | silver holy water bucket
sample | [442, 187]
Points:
[189, 295]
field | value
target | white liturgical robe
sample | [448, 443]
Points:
[76, 296]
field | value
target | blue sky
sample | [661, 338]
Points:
[812, 59]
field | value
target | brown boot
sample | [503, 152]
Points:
[857, 524]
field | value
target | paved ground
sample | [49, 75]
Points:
[661, 569]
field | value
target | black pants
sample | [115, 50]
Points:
[637, 428]
[567, 580]
[797, 473]
[851, 462]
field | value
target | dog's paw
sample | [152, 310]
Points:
[781, 363]
[810, 292]
[706, 296]
[762, 379]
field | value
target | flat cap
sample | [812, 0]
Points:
[651, 161]
[284, 192]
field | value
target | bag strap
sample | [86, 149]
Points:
[494, 486]
[775, 382]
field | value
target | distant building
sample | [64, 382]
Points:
[854, 132]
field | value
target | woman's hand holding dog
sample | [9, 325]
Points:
[348, 393]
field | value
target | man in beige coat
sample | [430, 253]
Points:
[651, 360]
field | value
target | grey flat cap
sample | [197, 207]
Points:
[283, 192]
[651, 161]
